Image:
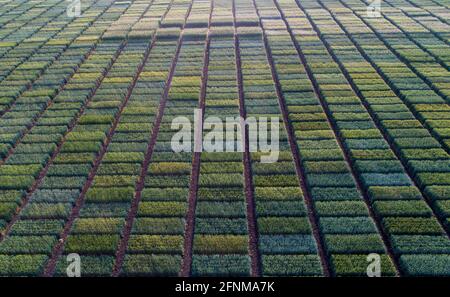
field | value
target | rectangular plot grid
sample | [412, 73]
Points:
[92, 107]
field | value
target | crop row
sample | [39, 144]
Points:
[155, 246]
[286, 243]
[120, 167]
[426, 105]
[9, 7]
[431, 15]
[348, 231]
[28, 53]
[70, 169]
[428, 67]
[394, 198]
[27, 16]
[433, 44]
[52, 203]
[26, 111]
[40, 140]
[221, 239]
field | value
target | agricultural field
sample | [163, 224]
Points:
[90, 104]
